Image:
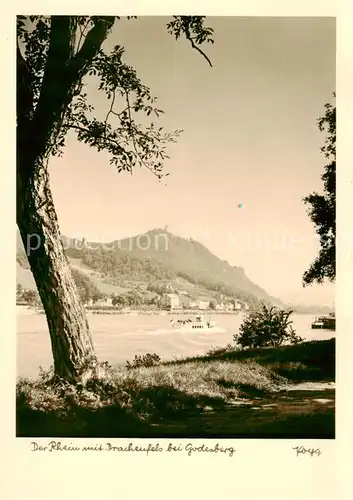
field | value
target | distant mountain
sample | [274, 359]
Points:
[192, 261]
[158, 256]
[311, 309]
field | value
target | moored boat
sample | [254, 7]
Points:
[324, 322]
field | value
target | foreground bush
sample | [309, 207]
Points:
[268, 327]
[145, 360]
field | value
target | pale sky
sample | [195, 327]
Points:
[250, 136]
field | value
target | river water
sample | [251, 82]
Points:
[118, 338]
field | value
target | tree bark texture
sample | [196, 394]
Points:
[38, 127]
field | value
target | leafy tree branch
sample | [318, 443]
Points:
[322, 207]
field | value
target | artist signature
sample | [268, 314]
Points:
[307, 451]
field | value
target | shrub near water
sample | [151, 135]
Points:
[146, 360]
[268, 327]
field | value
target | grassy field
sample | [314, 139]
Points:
[284, 392]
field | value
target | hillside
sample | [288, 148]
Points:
[155, 257]
[191, 260]
[311, 309]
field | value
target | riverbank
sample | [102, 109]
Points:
[159, 312]
[258, 393]
[30, 310]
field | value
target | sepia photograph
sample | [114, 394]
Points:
[176, 227]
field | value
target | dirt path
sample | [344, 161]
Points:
[311, 386]
[301, 411]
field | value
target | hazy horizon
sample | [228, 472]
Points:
[250, 137]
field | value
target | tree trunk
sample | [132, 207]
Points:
[38, 224]
[38, 130]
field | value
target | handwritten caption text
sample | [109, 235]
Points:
[189, 448]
